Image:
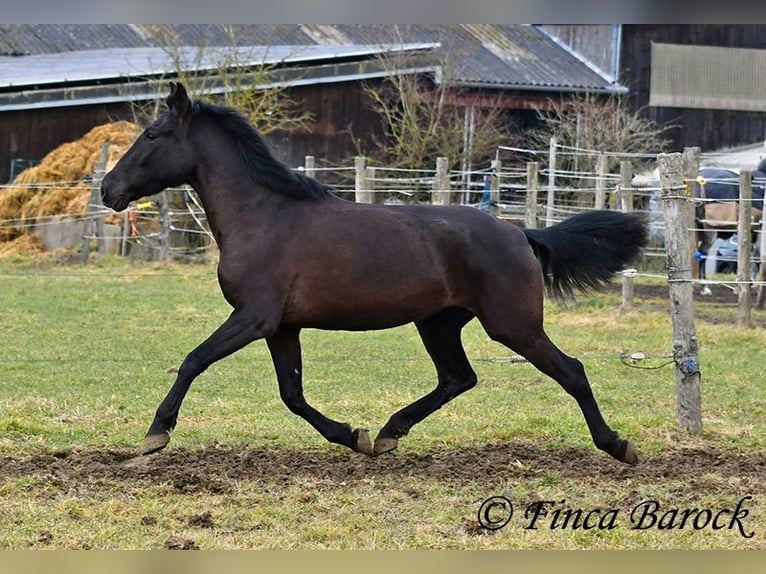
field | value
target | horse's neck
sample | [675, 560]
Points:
[233, 203]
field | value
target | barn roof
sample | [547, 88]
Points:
[116, 64]
[123, 74]
[504, 56]
[36, 57]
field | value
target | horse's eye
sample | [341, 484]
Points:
[151, 136]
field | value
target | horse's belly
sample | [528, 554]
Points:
[367, 306]
[726, 214]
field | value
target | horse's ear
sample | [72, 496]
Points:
[178, 100]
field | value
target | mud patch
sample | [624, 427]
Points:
[718, 308]
[179, 543]
[204, 520]
[217, 468]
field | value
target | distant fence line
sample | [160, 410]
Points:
[534, 193]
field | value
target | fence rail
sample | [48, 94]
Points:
[529, 193]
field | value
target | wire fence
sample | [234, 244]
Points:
[501, 188]
[173, 224]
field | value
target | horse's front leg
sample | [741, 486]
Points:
[241, 328]
[285, 349]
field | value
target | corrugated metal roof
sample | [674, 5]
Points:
[501, 56]
[132, 74]
[29, 39]
[516, 56]
[222, 34]
[24, 72]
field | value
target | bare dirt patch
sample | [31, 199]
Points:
[718, 307]
[217, 468]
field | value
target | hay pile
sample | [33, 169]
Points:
[26, 244]
[56, 186]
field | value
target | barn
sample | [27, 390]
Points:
[58, 81]
[705, 82]
[54, 84]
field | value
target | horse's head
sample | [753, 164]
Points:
[158, 159]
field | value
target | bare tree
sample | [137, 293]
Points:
[597, 123]
[231, 75]
[422, 118]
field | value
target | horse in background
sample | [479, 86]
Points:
[716, 217]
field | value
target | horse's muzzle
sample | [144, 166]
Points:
[109, 198]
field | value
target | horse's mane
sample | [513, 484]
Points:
[262, 166]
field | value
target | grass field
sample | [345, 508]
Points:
[85, 355]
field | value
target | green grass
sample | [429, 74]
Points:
[84, 360]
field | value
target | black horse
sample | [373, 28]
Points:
[294, 256]
[716, 216]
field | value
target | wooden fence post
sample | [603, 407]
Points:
[94, 224]
[685, 344]
[600, 193]
[744, 249]
[530, 213]
[362, 193]
[628, 289]
[494, 188]
[691, 168]
[369, 178]
[625, 199]
[125, 233]
[441, 192]
[551, 183]
[164, 237]
[309, 166]
[626, 187]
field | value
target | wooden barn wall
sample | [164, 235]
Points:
[31, 134]
[345, 125]
[338, 111]
[708, 129]
[341, 114]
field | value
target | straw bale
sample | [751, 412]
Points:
[56, 186]
[25, 244]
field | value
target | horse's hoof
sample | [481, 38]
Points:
[363, 443]
[155, 442]
[384, 445]
[631, 454]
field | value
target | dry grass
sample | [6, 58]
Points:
[85, 359]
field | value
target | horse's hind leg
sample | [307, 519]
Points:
[441, 336]
[285, 351]
[525, 335]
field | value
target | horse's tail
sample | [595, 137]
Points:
[586, 250]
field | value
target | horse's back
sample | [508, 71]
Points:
[717, 183]
[375, 266]
[722, 185]
[474, 239]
